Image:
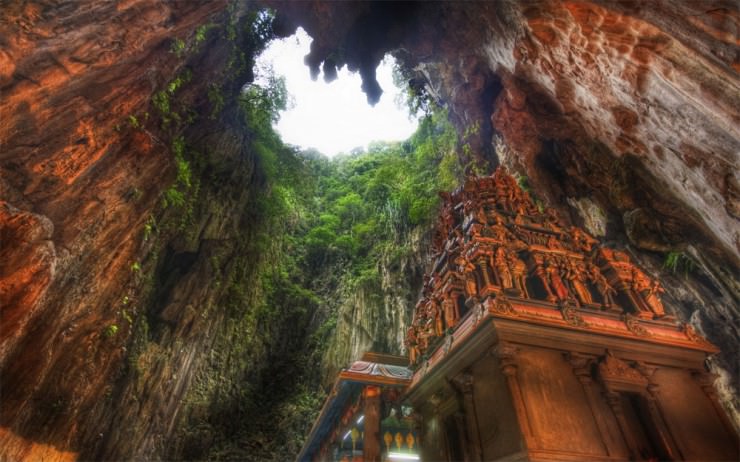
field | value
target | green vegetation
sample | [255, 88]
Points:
[282, 234]
[178, 47]
[324, 225]
[679, 262]
[111, 330]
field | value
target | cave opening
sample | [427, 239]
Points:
[330, 112]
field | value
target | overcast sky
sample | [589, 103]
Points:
[333, 117]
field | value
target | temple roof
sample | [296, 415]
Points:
[500, 254]
[373, 369]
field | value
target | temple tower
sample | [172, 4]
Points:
[531, 341]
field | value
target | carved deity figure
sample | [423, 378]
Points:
[518, 269]
[541, 273]
[556, 282]
[467, 269]
[583, 241]
[553, 243]
[411, 343]
[435, 314]
[451, 312]
[574, 274]
[421, 335]
[606, 291]
[652, 298]
[498, 229]
[502, 268]
[639, 281]
[648, 291]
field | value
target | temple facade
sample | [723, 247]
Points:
[531, 341]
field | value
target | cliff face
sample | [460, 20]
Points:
[116, 338]
[375, 317]
[123, 318]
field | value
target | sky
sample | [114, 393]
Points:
[333, 117]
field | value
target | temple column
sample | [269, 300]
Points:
[657, 414]
[464, 384]
[615, 402]
[371, 441]
[581, 365]
[506, 353]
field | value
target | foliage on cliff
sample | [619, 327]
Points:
[328, 221]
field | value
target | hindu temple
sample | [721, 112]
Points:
[530, 341]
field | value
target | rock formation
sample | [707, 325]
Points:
[628, 110]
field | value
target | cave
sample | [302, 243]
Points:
[165, 291]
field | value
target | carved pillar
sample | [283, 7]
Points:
[539, 271]
[657, 414]
[464, 384]
[615, 403]
[617, 375]
[706, 382]
[371, 441]
[486, 287]
[581, 368]
[506, 354]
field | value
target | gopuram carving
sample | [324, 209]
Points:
[494, 246]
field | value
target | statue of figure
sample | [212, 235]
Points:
[639, 281]
[411, 343]
[435, 314]
[471, 284]
[553, 243]
[519, 271]
[558, 287]
[451, 312]
[574, 274]
[498, 229]
[606, 291]
[652, 298]
[423, 333]
[583, 241]
[502, 268]
[552, 220]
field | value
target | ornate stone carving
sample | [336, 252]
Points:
[491, 242]
[692, 334]
[506, 353]
[501, 305]
[570, 314]
[581, 366]
[613, 369]
[606, 291]
[634, 326]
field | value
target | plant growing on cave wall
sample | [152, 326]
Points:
[679, 262]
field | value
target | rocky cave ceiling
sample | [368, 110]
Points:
[628, 107]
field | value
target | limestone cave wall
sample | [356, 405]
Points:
[129, 208]
[115, 341]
